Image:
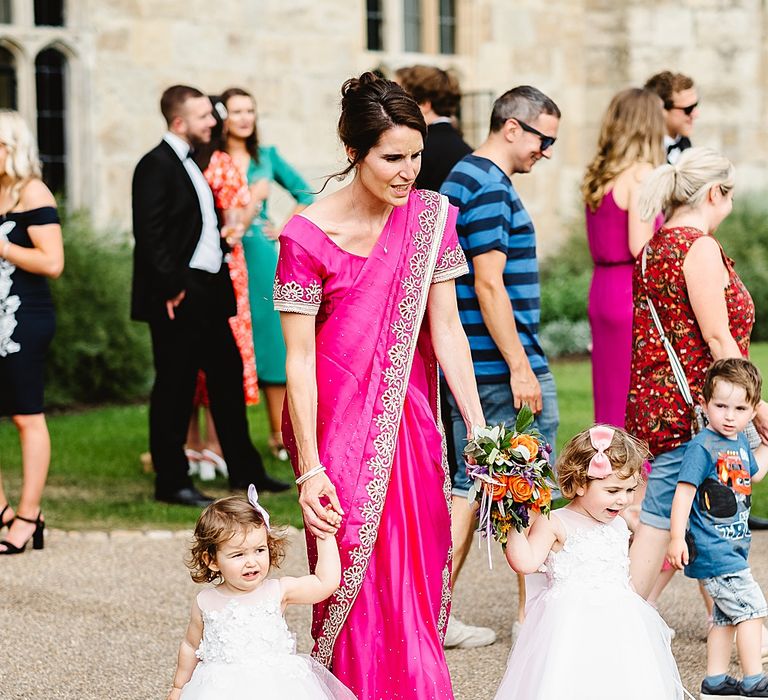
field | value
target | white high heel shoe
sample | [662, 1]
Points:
[217, 462]
[193, 459]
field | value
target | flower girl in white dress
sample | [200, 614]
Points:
[588, 635]
[237, 644]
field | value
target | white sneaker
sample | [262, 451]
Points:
[461, 636]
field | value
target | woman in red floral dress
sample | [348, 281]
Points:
[233, 198]
[704, 321]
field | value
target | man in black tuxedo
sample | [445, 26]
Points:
[438, 95]
[681, 108]
[182, 288]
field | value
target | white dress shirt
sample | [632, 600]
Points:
[207, 255]
[673, 150]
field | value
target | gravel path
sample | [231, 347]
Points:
[97, 616]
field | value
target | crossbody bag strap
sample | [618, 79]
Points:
[677, 368]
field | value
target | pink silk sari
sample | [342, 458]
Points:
[380, 439]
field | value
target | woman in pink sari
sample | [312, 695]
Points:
[365, 284]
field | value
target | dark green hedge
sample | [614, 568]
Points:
[98, 353]
[565, 276]
[744, 237]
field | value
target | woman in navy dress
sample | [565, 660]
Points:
[31, 251]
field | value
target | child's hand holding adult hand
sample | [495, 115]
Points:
[320, 520]
[677, 552]
[331, 516]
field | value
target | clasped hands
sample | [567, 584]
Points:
[322, 519]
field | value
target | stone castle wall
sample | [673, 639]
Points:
[294, 55]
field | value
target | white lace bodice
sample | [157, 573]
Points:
[242, 629]
[594, 556]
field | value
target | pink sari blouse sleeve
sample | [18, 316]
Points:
[298, 285]
[451, 262]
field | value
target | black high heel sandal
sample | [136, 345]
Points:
[37, 536]
[3, 523]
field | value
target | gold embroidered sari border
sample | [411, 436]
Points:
[411, 308]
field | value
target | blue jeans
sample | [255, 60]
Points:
[499, 407]
[662, 482]
[737, 598]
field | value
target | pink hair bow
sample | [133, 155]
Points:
[601, 438]
[253, 499]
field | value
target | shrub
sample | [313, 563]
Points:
[744, 237]
[563, 337]
[98, 354]
[565, 279]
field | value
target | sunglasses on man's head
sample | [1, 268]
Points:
[546, 141]
[688, 110]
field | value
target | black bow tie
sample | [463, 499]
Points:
[680, 145]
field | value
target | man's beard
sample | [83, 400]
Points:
[197, 141]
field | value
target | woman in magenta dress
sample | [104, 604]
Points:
[365, 286]
[629, 147]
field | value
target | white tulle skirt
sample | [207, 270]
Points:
[297, 677]
[582, 644]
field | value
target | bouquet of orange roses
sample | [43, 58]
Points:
[512, 475]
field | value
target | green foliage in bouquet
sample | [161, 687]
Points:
[511, 475]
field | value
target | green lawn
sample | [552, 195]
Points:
[97, 482]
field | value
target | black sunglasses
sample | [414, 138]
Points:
[546, 141]
[687, 110]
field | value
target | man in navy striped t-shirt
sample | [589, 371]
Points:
[499, 300]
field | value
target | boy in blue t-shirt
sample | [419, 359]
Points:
[713, 497]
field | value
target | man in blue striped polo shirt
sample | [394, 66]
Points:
[499, 300]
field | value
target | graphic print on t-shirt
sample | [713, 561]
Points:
[728, 494]
[721, 469]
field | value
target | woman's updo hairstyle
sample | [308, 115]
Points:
[371, 105]
[686, 183]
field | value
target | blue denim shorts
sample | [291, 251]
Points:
[662, 482]
[737, 598]
[499, 407]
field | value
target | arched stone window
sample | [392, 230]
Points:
[446, 21]
[49, 13]
[374, 22]
[50, 77]
[412, 25]
[8, 99]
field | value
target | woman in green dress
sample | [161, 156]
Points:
[263, 165]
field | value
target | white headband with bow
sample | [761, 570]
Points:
[253, 499]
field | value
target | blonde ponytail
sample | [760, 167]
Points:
[686, 183]
[657, 191]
